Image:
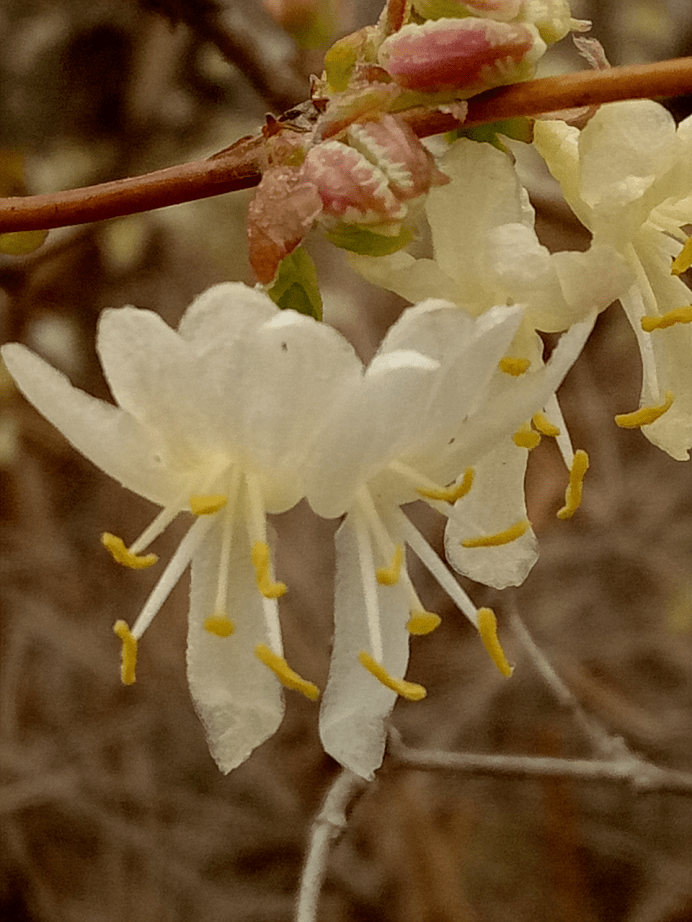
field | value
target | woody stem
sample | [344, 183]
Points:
[240, 167]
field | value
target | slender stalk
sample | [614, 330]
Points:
[328, 826]
[241, 166]
[632, 770]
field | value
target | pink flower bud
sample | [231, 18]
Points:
[390, 144]
[350, 187]
[469, 55]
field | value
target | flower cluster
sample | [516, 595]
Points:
[245, 410]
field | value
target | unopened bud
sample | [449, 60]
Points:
[390, 144]
[350, 187]
[469, 55]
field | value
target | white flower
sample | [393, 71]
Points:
[214, 419]
[430, 405]
[486, 253]
[628, 177]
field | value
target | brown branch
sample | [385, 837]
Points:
[241, 166]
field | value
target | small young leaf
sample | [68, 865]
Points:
[367, 242]
[19, 243]
[296, 286]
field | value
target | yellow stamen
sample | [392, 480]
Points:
[487, 626]
[645, 416]
[452, 494]
[261, 561]
[683, 260]
[409, 690]
[207, 505]
[128, 660]
[220, 625]
[580, 466]
[116, 547]
[422, 622]
[285, 674]
[501, 537]
[678, 315]
[544, 426]
[525, 437]
[514, 367]
[389, 576]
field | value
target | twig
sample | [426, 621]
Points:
[639, 774]
[328, 826]
[607, 745]
[241, 166]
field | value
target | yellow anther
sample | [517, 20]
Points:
[285, 674]
[514, 367]
[525, 437]
[128, 662]
[683, 260]
[207, 505]
[409, 690]
[452, 494]
[645, 416]
[580, 466]
[116, 547]
[501, 537]
[487, 627]
[423, 622]
[389, 576]
[261, 561]
[544, 426]
[678, 315]
[220, 625]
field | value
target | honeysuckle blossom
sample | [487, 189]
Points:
[627, 175]
[486, 253]
[214, 419]
[429, 407]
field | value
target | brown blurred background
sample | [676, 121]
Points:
[111, 809]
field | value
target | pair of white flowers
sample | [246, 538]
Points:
[244, 411]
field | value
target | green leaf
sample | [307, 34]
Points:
[367, 242]
[295, 286]
[519, 129]
[19, 243]
[339, 62]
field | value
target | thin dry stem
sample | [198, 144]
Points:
[329, 824]
[642, 776]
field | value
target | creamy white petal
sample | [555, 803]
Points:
[410, 278]
[508, 404]
[130, 453]
[226, 312]
[297, 371]
[468, 352]
[355, 705]
[665, 353]
[558, 144]
[625, 151]
[238, 699]
[495, 503]
[468, 360]
[371, 427]
[141, 357]
[463, 213]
